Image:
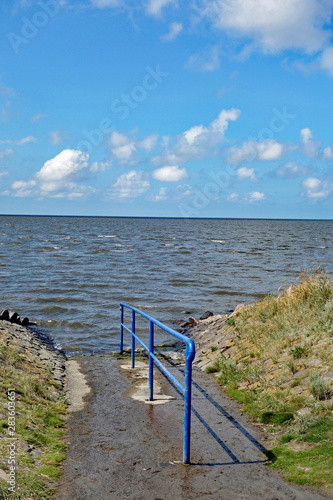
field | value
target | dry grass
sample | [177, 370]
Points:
[279, 369]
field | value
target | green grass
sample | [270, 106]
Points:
[275, 339]
[40, 407]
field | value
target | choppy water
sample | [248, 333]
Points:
[69, 274]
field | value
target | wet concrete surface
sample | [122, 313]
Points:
[125, 448]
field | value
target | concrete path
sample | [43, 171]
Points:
[120, 447]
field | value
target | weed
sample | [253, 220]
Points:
[318, 387]
[213, 348]
[231, 322]
[297, 352]
[228, 371]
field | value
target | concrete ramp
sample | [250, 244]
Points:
[123, 447]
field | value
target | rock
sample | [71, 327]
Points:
[315, 362]
[184, 324]
[25, 321]
[5, 315]
[237, 310]
[193, 321]
[14, 317]
[207, 315]
[35, 453]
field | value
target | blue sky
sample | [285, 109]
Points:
[207, 108]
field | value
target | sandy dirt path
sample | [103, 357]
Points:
[120, 447]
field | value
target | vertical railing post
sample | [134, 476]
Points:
[133, 339]
[151, 362]
[187, 409]
[121, 328]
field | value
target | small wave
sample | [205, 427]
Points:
[107, 236]
[322, 247]
[56, 248]
[218, 241]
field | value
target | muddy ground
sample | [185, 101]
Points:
[122, 447]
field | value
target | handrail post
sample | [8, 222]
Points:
[151, 362]
[133, 339]
[187, 407]
[121, 328]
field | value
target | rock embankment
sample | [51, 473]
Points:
[38, 352]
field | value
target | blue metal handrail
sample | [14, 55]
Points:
[189, 357]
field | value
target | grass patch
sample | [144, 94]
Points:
[275, 368]
[40, 406]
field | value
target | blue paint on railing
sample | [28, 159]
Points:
[189, 357]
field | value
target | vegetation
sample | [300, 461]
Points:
[280, 368]
[39, 409]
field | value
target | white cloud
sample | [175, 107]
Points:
[256, 150]
[122, 147]
[326, 60]
[130, 185]
[63, 166]
[100, 166]
[246, 173]
[4, 173]
[311, 147]
[274, 25]
[233, 197]
[148, 142]
[38, 117]
[306, 135]
[291, 169]
[24, 188]
[155, 7]
[192, 133]
[160, 196]
[328, 153]
[206, 60]
[104, 4]
[58, 178]
[56, 137]
[19, 142]
[256, 196]
[170, 174]
[6, 152]
[183, 190]
[174, 30]
[196, 142]
[316, 189]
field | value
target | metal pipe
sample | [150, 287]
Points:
[133, 339]
[121, 328]
[151, 362]
[189, 357]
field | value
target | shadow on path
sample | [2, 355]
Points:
[224, 413]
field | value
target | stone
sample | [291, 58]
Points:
[25, 321]
[327, 375]
[184, 324]
[14, 317]
[301, 374]
[239, 308]
[35, 453]
[315, 362]
[193, 321]
[5, 315]
[206, 315]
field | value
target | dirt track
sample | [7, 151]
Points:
[122, 448]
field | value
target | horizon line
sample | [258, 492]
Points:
[164, 217]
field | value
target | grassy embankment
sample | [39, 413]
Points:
[280, 368]
[40, 407]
